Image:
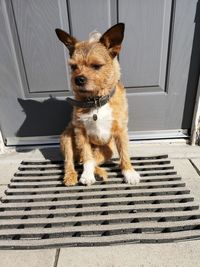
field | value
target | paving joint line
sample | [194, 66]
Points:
[56, 257]
[195, 167]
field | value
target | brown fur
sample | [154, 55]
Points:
[75, 143]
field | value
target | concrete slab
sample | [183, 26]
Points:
[173, 150]
[49, 152]
[189, 175]
[164, 255]
[2, 190]
[27, 258]
[7, 170]
[9, 163]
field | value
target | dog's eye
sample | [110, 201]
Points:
[96, 66]
[73, 67]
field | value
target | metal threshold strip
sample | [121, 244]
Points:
[38, 211]
[138, 135]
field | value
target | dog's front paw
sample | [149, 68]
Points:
[70, 178]
[131, 177]
[87, 178]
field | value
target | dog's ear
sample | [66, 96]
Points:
[113, 38]
[68, 40]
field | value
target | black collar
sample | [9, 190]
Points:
[93, 102]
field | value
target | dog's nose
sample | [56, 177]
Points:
[80, 80]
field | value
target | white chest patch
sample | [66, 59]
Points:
[100, 128]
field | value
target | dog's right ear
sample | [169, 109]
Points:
[68, 40]
[113, 38]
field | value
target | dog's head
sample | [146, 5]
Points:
[94, 65]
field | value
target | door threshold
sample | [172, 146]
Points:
[159, 135]
[139, 136]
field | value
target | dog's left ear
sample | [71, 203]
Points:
[113, 38]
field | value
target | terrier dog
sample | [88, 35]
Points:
[100, 111]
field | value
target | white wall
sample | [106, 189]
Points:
[196, 118]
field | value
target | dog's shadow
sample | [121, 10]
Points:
[44, 118]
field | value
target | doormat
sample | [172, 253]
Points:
[38, 211]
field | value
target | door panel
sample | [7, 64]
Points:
[146, 42]
[43, 61]
[91, 15]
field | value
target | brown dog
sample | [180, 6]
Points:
[100, 113]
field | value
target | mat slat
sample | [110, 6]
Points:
[54, 168]
[114, 229]
[96, 185]
[150, 171]
[113, 219]
[146, 199]
[99, 241]
[151, 183]
[159, 208]
[107, 194]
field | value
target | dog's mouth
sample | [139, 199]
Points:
[84, 90]
[88, 90]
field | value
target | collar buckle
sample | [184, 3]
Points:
[97, 102]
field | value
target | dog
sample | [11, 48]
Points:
[100, 111]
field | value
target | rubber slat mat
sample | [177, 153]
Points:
[38, 211]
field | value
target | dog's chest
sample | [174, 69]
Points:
[100, 128]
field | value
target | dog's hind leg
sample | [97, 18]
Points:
[101, 172]
[101, 155]
[68, 149]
